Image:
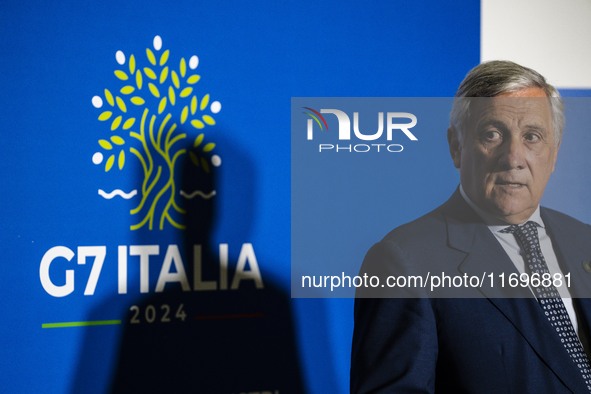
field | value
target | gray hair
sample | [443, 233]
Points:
[497, 77]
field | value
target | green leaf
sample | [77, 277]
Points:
[171, 95]
[105, 144]
[139, 81]
[193, 79]
[183, 67]
[131, 64]
[149, 73]
[109, 163]
[117, 140]
[175, 79]
[128, 123]
[121, 104]
[121, 75]
[163, 75]
[184, 114]
[127, 89]
[162, 105]
[151, 56]
[197, 124]
[198, 140]
[193, 105]
[208, 147]
[116, 123]
[154, 90]
[208, 120]
[194, 158]
[205, 165]
[121, 160]
[137, 100]
[109, 98]
[186, 92]
[105, 116]
[164, 57]
[204, 102]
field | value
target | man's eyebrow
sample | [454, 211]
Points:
[531, 125]
[535, 127]
[491, 121]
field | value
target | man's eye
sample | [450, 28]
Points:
[531, 137]
[491, 136]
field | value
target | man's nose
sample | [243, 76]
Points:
[513, 153]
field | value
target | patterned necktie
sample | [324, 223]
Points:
[549, 298]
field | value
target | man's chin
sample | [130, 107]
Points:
[512, 214]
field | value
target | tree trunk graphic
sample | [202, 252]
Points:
[159, 142]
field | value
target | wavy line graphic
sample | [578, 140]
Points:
[116, 192]
[198, 193]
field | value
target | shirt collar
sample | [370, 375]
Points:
[494, 223]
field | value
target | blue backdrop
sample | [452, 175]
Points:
[253, 57]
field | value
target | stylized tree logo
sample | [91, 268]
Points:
[148, 109]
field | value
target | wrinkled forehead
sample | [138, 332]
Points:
[511, 110]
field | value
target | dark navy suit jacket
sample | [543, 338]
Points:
[483, 343]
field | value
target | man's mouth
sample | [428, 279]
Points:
[509, 184]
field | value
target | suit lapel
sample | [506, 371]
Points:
[572, 252]
[484, 255]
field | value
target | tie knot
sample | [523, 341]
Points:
[526, 235]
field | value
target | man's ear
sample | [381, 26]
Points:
[455, 147]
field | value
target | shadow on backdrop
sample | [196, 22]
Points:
[235, 333]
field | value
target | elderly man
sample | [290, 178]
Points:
[506, 127]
